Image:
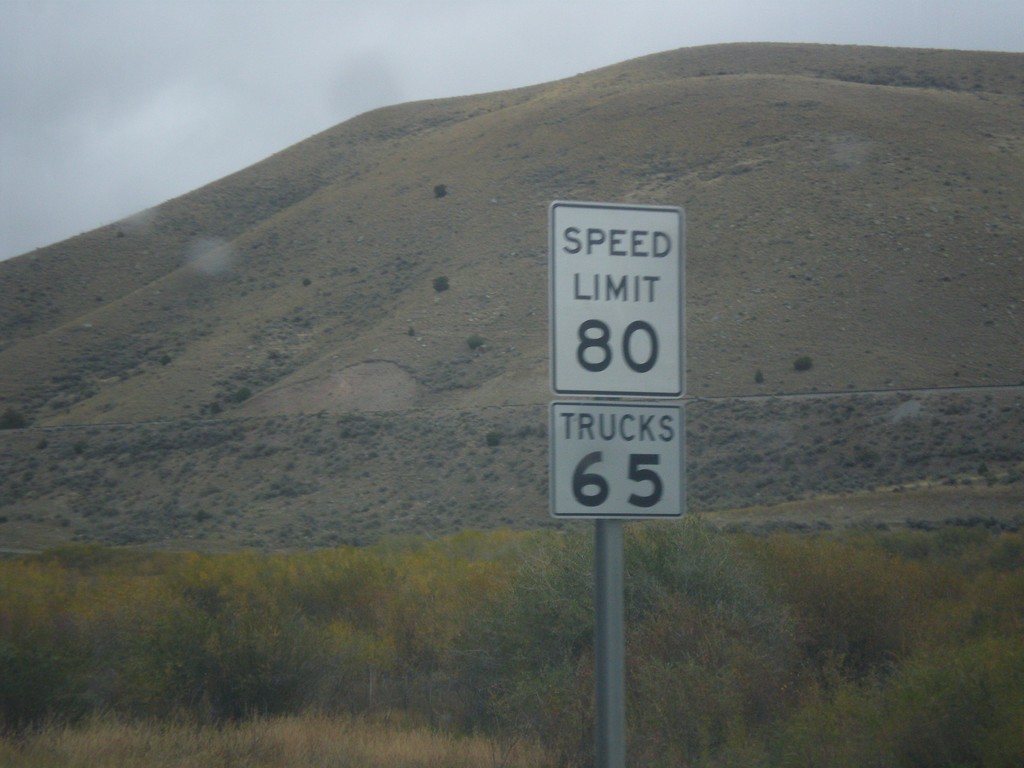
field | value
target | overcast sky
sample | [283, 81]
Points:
[108, 107]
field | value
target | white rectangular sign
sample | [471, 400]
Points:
[616, 460]
[617, 282]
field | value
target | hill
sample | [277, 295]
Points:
[858, 206]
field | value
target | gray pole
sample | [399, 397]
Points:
[609, 644]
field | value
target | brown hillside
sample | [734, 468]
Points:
[860, 206]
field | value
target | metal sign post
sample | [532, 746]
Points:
[609, 644]
[616, 279]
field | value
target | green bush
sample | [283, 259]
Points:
[12, 418]
[690, 595]
[960, 706]
[950, 706]
[441, 283]
[803, 363]
[241, 394]
[856, 607]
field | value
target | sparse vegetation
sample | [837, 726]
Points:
[241, 394]
[739, 454]
[12, 418]
[63, 352]
[803, 363]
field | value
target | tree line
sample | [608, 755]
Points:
[901, 648]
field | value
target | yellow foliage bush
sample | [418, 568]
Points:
[894, 648]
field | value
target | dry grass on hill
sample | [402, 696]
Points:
[860, 207]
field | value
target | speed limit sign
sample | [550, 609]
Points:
[616, 302]
[616, 460]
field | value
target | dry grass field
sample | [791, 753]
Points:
[310, 741]
[268, 362]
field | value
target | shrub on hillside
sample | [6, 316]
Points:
[241, 394]
[12, 418]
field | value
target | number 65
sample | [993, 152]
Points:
[592, 490]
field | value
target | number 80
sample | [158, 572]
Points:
[595, 334]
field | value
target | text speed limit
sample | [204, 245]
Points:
[616, 460]
[617, 281]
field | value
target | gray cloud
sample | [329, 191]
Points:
[109, 107]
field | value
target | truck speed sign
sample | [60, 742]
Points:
[617, 281]
[616, 460]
